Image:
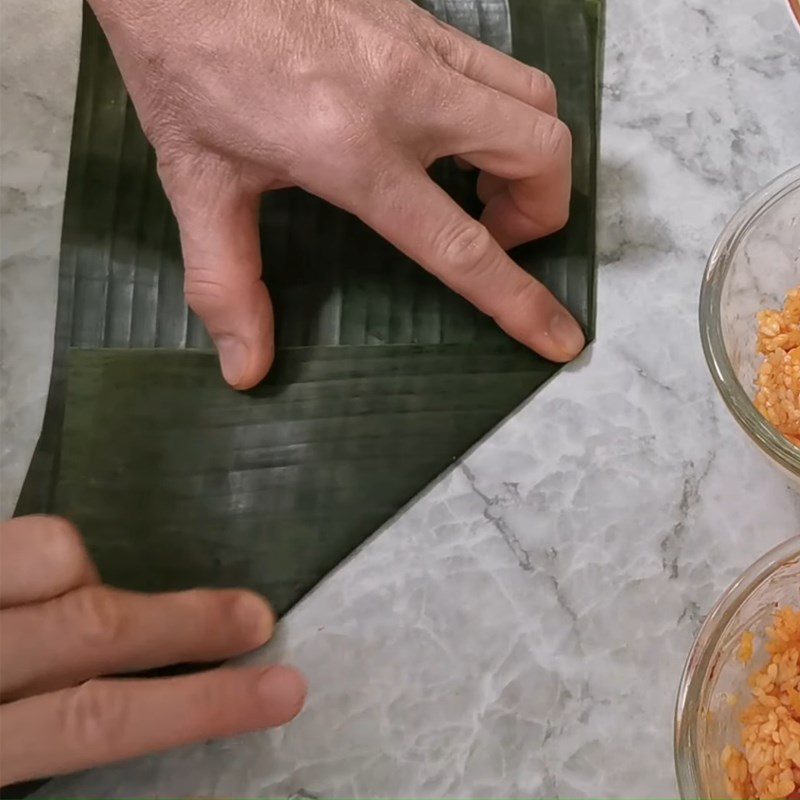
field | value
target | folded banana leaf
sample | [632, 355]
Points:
[383, 377]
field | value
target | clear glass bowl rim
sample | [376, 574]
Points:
[687, 766]
[740, 405]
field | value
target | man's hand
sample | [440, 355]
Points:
[351, 100]
[60, 629]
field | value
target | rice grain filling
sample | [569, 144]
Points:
[778, 380]
[767, 767]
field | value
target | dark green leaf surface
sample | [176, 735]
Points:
[383, 377]
[272, 488]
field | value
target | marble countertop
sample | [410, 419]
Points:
[520, 630]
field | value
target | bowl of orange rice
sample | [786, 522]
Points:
[750, 319]
[737, 721]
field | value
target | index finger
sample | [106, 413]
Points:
[421, 220]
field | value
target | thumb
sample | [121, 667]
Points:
[223, 286]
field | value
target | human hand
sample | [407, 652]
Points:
[351, 100]
[60, 629]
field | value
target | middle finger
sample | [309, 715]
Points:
[529, 154]
[97, 630]
[495, 69]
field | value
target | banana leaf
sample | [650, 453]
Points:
[382, 378]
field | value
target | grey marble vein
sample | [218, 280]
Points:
[520, 630]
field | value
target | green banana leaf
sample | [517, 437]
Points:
[382, 379]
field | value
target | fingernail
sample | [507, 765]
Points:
[233, 357]
[567, 334]
[254, 616]
[283, 690]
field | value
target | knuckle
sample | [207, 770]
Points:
[448, 48]
[205, 293]
[212, 698]
[341, 129]
[528, 294]
[555, 138]
[340, 126]
[195, 181]
[465, 247]
[174, 165]
[407, 71]
[337, 118]
[98, 617]
[439, 39]
[91, 715]
[523, 307]
[205, 610]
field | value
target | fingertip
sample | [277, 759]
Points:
[255, 617]
[245, 364]
[260, 364]
[234, 358]
[283, 691]
[566, 335]
[534, 317]
[223, 285]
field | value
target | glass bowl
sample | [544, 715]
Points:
[713, 689]
[754, 263]
[794, 10]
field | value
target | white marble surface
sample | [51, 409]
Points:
[520, 630]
